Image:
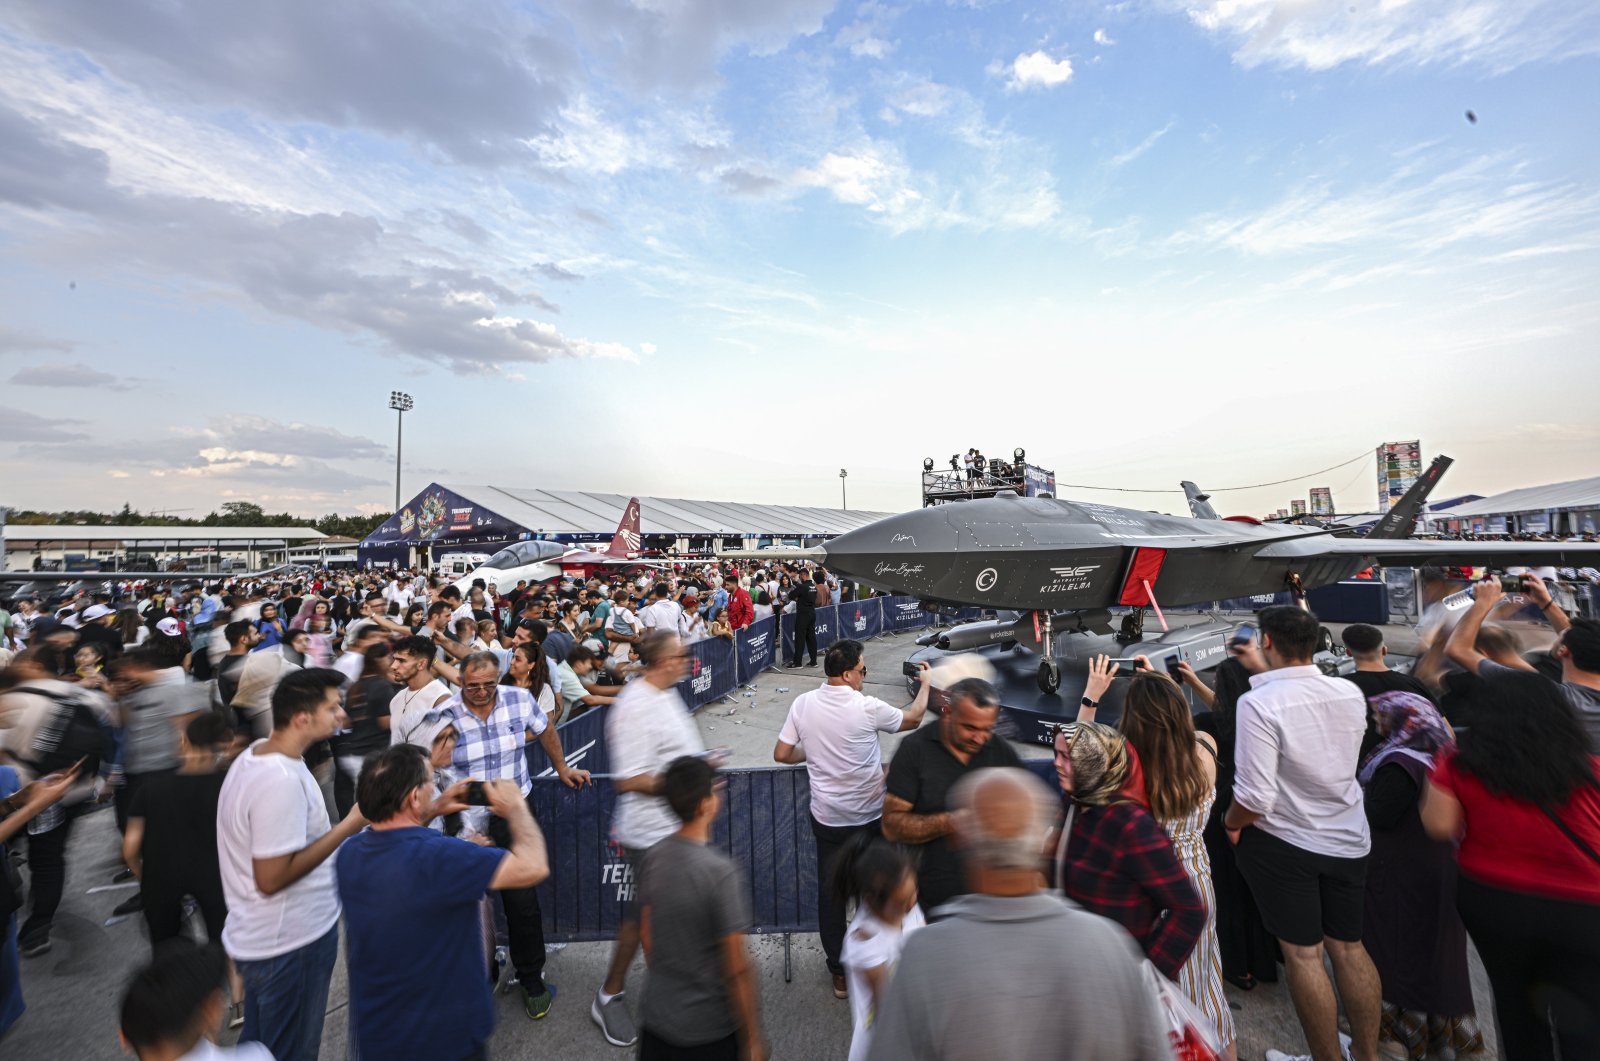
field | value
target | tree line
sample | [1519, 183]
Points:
[229, 514]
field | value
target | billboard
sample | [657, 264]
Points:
[438, 514]
[1399, 466]
[1037, 481]
[1321, 501]
[1297, 508]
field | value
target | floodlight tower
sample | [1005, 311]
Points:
[401, 403]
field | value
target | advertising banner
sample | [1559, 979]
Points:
[861, 620]
[711, 672]
[583, 745]
[1321, 501]
[757, 647]
[438, 514]
[1297, 508]
[827, 632]
[904, 613]
[1399, 465]
[764, 827]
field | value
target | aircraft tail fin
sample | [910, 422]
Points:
[625, 542]
[1401, 519]
[1199, 503]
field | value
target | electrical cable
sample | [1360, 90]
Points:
[1220, 489]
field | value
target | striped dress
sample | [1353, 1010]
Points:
[1201, 976]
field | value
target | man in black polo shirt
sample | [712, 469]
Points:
[1373, 676]
[925, 767]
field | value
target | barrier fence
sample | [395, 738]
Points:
[765, 827]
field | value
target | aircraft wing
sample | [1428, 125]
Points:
[1421, 553]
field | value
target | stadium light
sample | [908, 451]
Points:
[402, 404]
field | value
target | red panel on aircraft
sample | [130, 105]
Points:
[1145, 567]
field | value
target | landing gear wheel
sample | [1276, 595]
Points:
[1324, 639]
[1049, 676]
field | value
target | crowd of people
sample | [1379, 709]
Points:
[279, 754]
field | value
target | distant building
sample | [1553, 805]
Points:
[55, 547]
[1557, 508]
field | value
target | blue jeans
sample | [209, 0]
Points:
[286, 998]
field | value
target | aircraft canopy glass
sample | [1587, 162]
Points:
[521, 554]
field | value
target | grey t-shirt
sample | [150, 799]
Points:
[150, 741]
[1585, 701]
[696, 899]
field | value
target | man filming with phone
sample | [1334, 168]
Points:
[424, 940]
[494, 723]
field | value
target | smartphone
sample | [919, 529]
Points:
[912, 668]
[1124, 668]
[1242, 636]
[1172, 667]
[1512, 583]
[477, 794]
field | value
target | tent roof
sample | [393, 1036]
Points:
[578, 512]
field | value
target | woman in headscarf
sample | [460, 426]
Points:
[1411, 926]
[1113, 858]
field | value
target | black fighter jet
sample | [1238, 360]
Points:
[1062, 565]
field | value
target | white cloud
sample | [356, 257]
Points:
[1322, 34]
[1037, 70]
[1102, 38]
[1141, 147]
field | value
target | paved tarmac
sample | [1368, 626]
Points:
[73, 992]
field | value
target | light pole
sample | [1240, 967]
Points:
[843, 475]
[401, 403]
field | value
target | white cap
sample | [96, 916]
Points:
[95, 611]
[169, 626]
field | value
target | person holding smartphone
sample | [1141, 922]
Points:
[423, 941]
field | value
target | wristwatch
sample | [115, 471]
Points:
[1086, 702]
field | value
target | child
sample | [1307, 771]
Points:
[173, 1007]
[881, 879]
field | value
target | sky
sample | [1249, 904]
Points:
[722, 249]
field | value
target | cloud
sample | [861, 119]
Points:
[872, 175]
[74, 375]
[347, 272]
[19, 425]
[13, 341]
[1141, 147]
[867, 36]
[1102, 38]
[469, 81]
[1036, 70]
[1321, 34]
[743, 182]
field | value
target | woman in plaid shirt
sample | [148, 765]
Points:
[1113, 858]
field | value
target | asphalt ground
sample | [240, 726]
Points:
[73, 991]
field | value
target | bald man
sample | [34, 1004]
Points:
[1016, 945]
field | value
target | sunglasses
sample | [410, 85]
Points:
[479, 687]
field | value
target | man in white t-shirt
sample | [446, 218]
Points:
[646, 729]
[1300, 828]
[411, 663]
[834, 731]
[273, 842]
[662, 613]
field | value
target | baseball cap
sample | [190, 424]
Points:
[169, 626]
[95, 611]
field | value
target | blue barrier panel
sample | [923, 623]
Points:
[711, 672]
[860, 620]
[827, 632]
[583, 744]
[1355, 601]
[757, 647]
[765, 827]
[904, 613]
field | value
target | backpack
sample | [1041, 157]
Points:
[71, 733]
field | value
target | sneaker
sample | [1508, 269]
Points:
[538, 1005]
[236, 1014]
[35, 945]
[841, 987]
[130, 906]
[615, 1023]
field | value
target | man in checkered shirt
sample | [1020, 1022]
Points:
[494, 724]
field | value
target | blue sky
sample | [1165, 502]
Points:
[718, 249]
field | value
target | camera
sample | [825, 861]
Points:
[477, 794]
[1511, 583]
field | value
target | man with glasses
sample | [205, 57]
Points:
[494, 723]
[834, 731]
[647, 728]
[916, 807]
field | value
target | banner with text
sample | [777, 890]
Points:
[827, 632]
[764, 827]
[711, 672]
[757, 647]
[583, 745]
[861, 620]
[904, 613]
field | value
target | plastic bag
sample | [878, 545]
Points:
[1189, 1031]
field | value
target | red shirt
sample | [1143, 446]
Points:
[741, 613]
[1514, 845]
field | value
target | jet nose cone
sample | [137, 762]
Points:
[899, 552]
